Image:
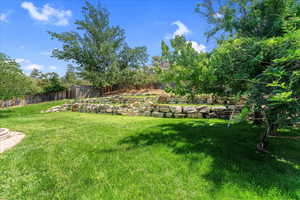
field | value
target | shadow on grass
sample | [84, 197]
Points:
[5, 113]
[235, 159]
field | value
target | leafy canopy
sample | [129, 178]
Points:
[251, 18]
[186, 71]
[260, 58]
[13, 82]
[98, 48]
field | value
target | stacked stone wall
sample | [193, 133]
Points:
[152, 110]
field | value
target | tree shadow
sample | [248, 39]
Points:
[5, 113]
[233, 151]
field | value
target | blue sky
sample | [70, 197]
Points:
[24, 25]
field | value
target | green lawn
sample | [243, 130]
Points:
[92, 156]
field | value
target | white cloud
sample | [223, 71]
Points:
[22, 47]
[34, 66]
[3, 17]
[52, 67]
[218, 15]
[22, 60]
[181, 30]
[48, 14]
[198, 47]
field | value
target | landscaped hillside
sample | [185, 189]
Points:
[93, 156]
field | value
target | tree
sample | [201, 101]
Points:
[70, 77]
[99, 50]
[186, 72]
[13, 82]
[251, 18]
[53, 83]
[260, 59]
[37, 74]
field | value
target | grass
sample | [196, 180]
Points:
[92, 156]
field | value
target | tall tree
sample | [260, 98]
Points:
[53, 83]
[13, 82]
[70, 77]
[261, 57]
[187, 72]
[98, 49]
[251, 18]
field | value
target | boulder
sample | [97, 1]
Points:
[164, 108]
[200, 115]
[189, 109]
[212, 115]
[192, 115]
[75, 107]
[169, 115]
[147, 113]
[176, 109]
[204, 109]
[163, 99]
[177, 115]
[218, 108]
[157, 114]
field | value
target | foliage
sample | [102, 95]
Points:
[143, 77]
[266, 70]
[47, 82]
[186, 72]
[54, 83]
[99, 49]
[261, 57]
[251, 18]
[276, 89]
[13, 82]
[71, 77]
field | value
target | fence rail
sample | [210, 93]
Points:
[74, 92]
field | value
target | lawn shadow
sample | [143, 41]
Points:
[5, 113]
[233, 151]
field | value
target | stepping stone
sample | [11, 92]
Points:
[9, 139]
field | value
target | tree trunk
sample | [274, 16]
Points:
[257, 118]
[270, 129]
[261, 147]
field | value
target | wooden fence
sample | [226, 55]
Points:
[74, 92]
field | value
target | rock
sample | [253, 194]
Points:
[189, 109]
[109, 110]
[75, 107]
[210, 100]
[148, 108]
[212, 115]
[192, 115]
[231, 107]
[164, 109]
[204, 109]
[147, 113]
[157, 114]
[155, 108]
[177, 115]
[169, 115]
[218, 108]
[176, 109]
[163, 99]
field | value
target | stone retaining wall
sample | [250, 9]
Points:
[154, 110]
[163, 99]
